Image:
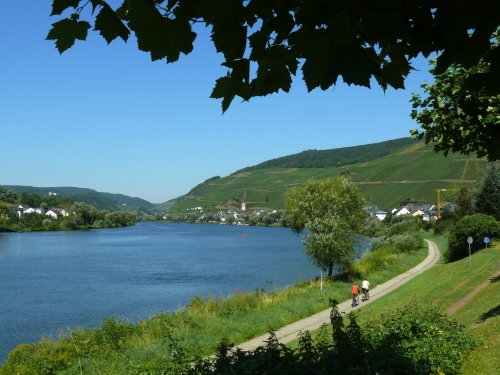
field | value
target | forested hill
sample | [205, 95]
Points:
[336, 157]
[103, 201]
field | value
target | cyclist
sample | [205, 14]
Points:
[355, 293]
[365, 287]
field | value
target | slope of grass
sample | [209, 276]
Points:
[445, 285]
[335, 157]
[414, 172]
[129, 201]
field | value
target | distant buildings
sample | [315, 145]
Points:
[425, 211]
[55, 213]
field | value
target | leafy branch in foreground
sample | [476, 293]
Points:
[456, 116]
[354, 41]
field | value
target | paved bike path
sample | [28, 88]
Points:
[291, 331]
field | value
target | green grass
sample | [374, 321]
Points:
[444, 285]
[414, 172]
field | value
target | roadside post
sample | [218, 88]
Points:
[469, 241]
[486, 240]
[321, 283]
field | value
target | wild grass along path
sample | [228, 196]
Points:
[291, 331]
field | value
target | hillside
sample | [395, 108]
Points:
[411, 173]
[336, 157]
[166, 206]
[103, 201]
[98, 200]
[129, 201]
[66, 191]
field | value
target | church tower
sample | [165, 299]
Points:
[243, 204]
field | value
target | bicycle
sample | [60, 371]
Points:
[366, 295]
[355, 300]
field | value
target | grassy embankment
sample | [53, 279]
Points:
[413, 172]
[448, 284]
[148, 347]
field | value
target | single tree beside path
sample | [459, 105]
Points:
[331, 210]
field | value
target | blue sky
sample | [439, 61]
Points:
[107, 118]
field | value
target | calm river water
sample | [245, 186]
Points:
[53, 280]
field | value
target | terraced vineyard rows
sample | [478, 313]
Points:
[413, 172]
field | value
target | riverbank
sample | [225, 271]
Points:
[290, 332]
[120, 346]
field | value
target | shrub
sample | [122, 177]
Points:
[442, 226]
[402, 224]
[415, 339]
[372, 226]
[476, 226]
[428, 224]
[378, 242]
[405, 243]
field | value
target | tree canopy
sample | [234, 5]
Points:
[456, 117]
[488, 198]
[477, 226]
[265, 41]
[330, 210]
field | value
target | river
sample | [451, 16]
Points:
[53, 280]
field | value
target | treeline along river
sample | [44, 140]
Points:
[53, 280]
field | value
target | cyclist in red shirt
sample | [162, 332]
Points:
[355, 293]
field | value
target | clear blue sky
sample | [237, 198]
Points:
[107, 118]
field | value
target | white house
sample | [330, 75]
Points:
[380, 214]
[403, 211]
[54, 213]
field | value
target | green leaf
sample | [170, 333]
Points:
[230, 39]
[398, 58]
[159, 35]
[240, 69]
[123, 10]
[258, 42]
[66, 31]
[316, 56]
[476, 47]
[274, 73]
[109, 25]
[444, 61]
[227, 88]
[353, 65]
[393, 76]
[59, 6]
[282, 25]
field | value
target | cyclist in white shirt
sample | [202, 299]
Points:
[365, 287]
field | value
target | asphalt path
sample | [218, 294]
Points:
[313, 322]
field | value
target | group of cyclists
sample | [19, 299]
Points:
[365, 288]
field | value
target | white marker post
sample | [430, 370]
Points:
[321, 284]
[469, 241]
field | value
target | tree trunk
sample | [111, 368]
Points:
[330, 269]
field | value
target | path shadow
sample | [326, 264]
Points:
[490, 314]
